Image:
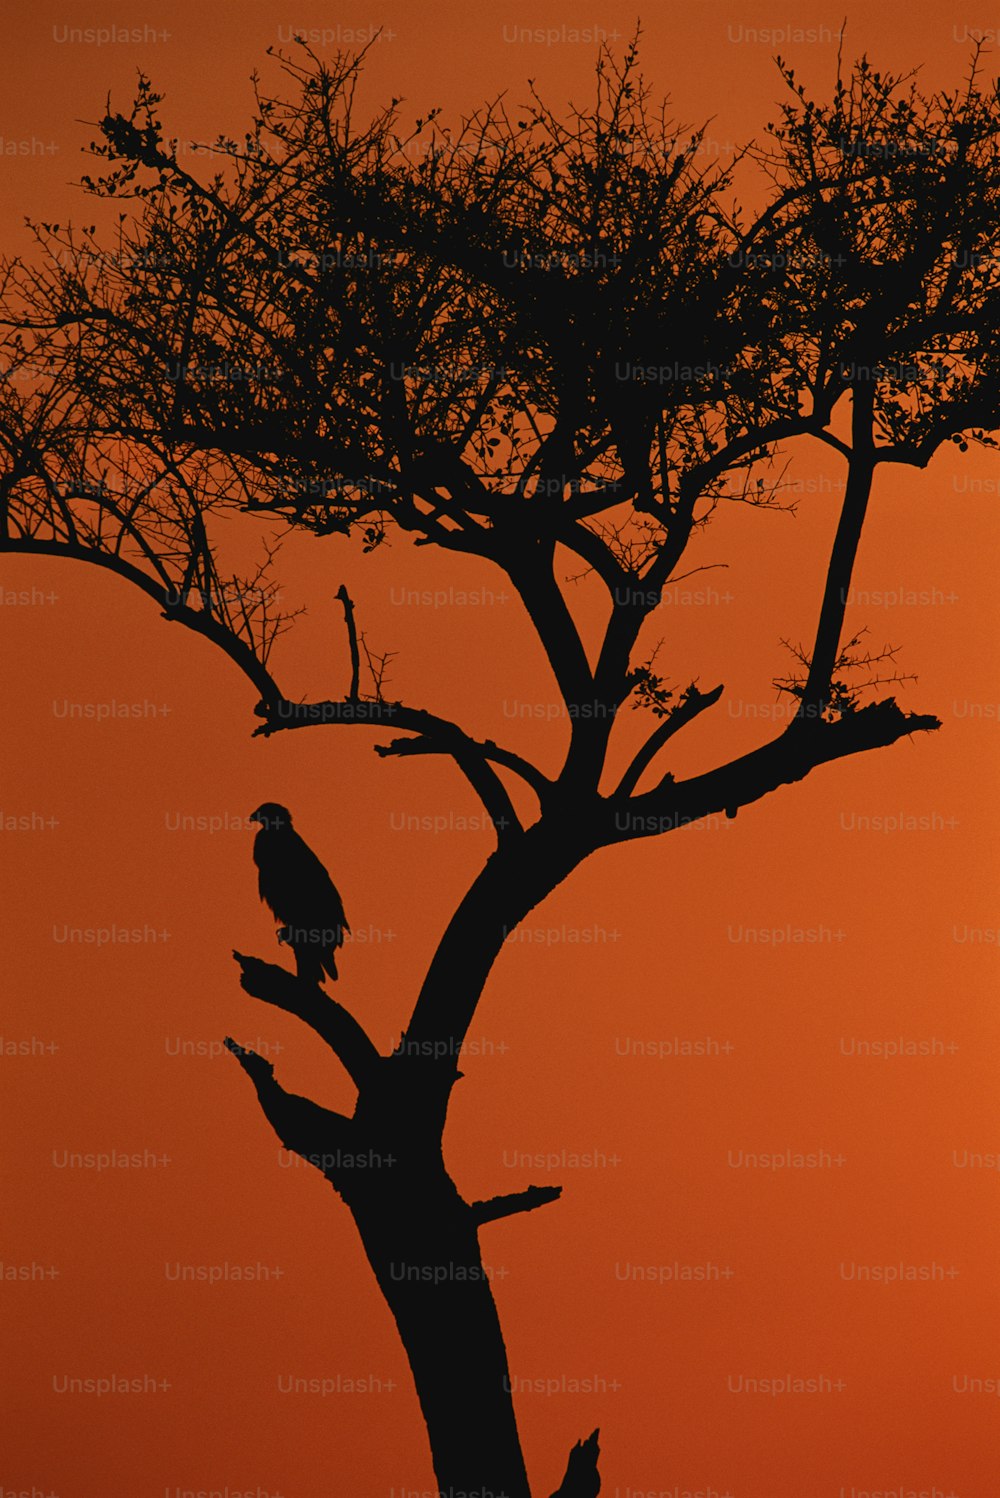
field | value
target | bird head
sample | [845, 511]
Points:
[272, 816]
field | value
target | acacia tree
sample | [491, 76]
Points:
[529, 340]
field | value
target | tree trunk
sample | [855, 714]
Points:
[422, 1243]
[421, 1238]
[516, 878]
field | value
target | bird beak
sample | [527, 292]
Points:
[255, 816]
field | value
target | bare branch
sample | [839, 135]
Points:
[200, 621]
[334, 1024]
[473, 761]
[805, 744]
[691, 704]
[441, 734]
[315, 1133]
[843, 553]
[352, 636]
[542, 597]
[842, 695]
[527, 1200]
[378, 665]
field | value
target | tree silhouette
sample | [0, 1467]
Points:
[529, 339]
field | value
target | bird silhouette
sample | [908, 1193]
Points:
[300, 892]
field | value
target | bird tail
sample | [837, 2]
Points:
[315, 959]
[328, 956]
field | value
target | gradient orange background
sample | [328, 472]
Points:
[909, 922]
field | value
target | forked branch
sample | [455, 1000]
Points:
[803, 746]
[435, 735]
[317, 1134]
[331, 1021]
[691, 704]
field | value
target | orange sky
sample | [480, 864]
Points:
[672, 1273]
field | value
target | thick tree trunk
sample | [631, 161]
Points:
[421, 1238]
[516, 878]
[422, 1243]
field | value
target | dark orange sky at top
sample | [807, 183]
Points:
[652, 1032]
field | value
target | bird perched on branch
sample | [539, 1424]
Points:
[300, 892]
